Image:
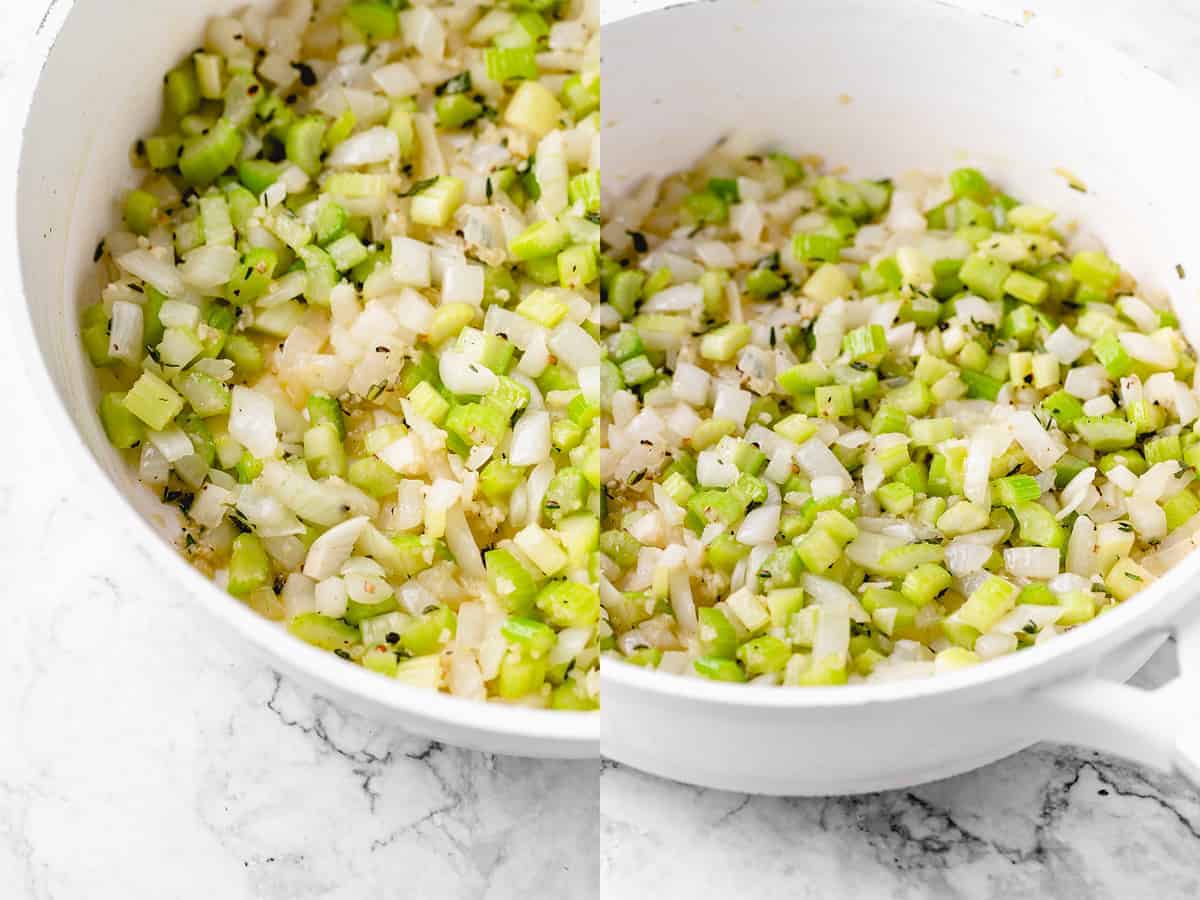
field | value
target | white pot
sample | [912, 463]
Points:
[100, 88]
[886, 86]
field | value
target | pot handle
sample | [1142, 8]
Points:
[1158, 727]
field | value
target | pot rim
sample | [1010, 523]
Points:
[551, 727]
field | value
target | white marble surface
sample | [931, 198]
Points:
[1051, 822]
[144, 755]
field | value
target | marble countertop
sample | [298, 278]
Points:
[145, 755]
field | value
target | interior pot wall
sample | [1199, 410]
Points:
[884, 87]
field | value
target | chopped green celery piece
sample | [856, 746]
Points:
[915, 476]
[457, 110]
[924, 583]
[1106, 432]
[624, 345]
[658, 280]
[568, 604]
[323, 451]
[985, 275]
[577, 267]
[249, 566]
[244, 354]
[931, 432]
[375, 20]
[987, 604]
[791, 170]
[974, 219]
[829, 670]
[834, 401]
[437, 203]
[900, 560]
[763, 654]
[1145, 416]
[535, 639]
[973, 356]
[896, 497]
[867, 343]
[208, 74]
[581, 97]
[637, 371]
[567, 493]
[722, 343]
[980, 385]
[205, 395]
[1163, 448]
[449, 320]
[813, 247]
[477, 424]
[1110, 354]
[724, 553]
[1025, 287]
[323, 631]
[499, 479]
[1126, 578]
[862, 381]
[320, 268]
[206, 156]
[889, 419]
[94, 324]
[705, 208]
[429, 403]
[912, 398]
[718, 669]
[122, 427]
[181, 90]
[520, 676]
[1067, 468]
[544, 238]
[621, 547]
[968, 182]
[346, 252]
[430, 631]
[841, 197]
[1130, 459]
[373, 476]
[379, 438]
[1095, 270]
[1014, 489]
[717, 636]
[342, 128]
[1180, 508]
[381, 660]
[331, 223]
[818, 550]
[153, 401]
[485, 348]
[1065, 408]
[713, 505]
[140, 211]
[805, 378]
[1038, 526]
[162, 151]
[511, 63]
[763, 283]
[585, 189]
[323, 408]
[248, 468]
